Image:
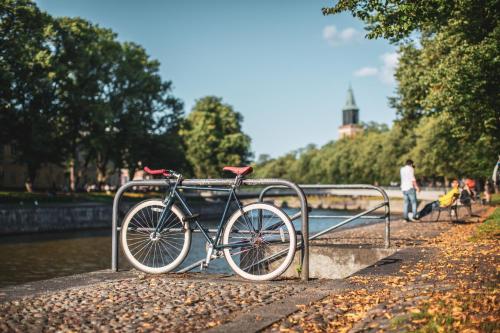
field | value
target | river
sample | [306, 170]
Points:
[32, 257]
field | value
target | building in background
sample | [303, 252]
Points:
[14, 175]
[350, 117]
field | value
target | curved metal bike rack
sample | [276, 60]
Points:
[281, 183]
[362, 215]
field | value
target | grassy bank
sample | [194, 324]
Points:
[490, 228]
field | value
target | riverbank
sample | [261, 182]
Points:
[22, 212]
[47, 217]
[443, 275]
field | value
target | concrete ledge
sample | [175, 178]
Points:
[56, 284]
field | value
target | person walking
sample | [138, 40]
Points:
[409, 187]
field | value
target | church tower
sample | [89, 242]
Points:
[350, 117]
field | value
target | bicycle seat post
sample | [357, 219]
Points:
[237, 181]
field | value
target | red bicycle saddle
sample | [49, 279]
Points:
[240, 171]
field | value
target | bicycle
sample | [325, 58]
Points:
[258, 240]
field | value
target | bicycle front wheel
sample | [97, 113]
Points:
[151, 251]
[259, 242]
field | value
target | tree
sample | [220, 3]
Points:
[454, 72]
[277, 168]
[27, 113]
[84, 56]
[115, 107]
[440, 154]
[371, 157]
[144, 118]
[263, 158]
[213, 137]
[73, 94]
[396, 20]
[373, 126]
[447, 76]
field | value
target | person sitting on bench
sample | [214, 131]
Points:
[467, 196]
[444, 200]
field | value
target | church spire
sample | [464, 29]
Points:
[350, 117]
[350, 112]
[350, 102]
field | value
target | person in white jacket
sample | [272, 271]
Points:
[409, 186]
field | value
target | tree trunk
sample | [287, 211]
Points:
[101, 174]
[101, 177]
[72, 179]
[131, 173]
[32, 171]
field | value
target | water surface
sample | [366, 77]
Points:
[25, 258]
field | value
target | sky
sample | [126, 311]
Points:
[282, 64]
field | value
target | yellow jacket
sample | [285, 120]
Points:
[447, 199]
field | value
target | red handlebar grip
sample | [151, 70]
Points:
[156, 172]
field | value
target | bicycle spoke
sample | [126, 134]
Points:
[148, 248]
[255, 251]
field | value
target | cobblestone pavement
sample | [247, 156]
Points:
[447, 284]
[369, 302]
[141, 304]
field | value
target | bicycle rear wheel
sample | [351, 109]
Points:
[260, 243]
[151, 251]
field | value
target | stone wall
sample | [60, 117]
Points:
[54, 218]
[60, 217]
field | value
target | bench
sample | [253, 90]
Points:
[451, 209]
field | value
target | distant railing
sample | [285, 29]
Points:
[312, 189]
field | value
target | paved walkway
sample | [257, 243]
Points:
[445, 283]
[382, 296]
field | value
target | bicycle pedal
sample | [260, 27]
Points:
[190, 217]
[218, 254]
[203, 266]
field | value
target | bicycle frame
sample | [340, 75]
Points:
[174, 196]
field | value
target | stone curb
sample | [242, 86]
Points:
[47, 286]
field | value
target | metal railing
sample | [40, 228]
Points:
[348, 218]
[281, 183]
[277, 185]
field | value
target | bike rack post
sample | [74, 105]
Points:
[363, 215]
[215, 182]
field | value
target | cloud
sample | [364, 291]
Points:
[366, 71]
[385, 71]
[348, 34]
[335, 37]
[390, 62]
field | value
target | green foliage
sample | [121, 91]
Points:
[397, 20]
[490, 228]
[71, 90]
[452, 74]
[436, 152]
[495, 199]
[450, 78]
[213, 137]
[26, 111]
[376, 156]
[373, 126]
[368, 158]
